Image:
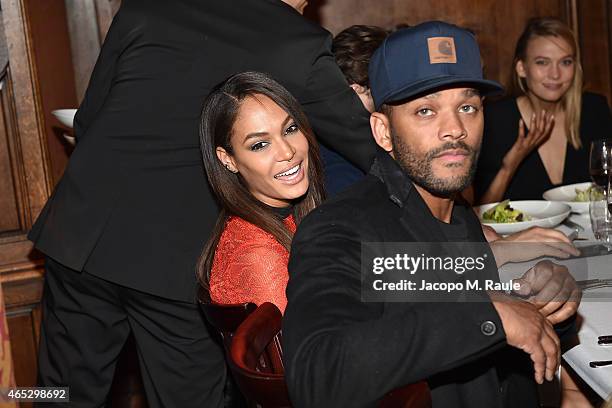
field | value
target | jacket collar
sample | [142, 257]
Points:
[398, 184]
[416, 216]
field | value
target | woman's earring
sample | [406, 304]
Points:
[228, 167]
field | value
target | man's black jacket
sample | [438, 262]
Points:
[340, 351]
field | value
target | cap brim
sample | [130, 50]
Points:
[486, 88]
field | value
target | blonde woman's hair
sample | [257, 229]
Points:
[572, 100]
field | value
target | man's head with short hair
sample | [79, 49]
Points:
[353, 47]
[427, 87]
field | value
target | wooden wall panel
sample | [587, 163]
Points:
[496, 23]
[88, 22]
[595, 33]
[50, 47]
[11, 174]
[84, 41]
[38, 79]
[24, 346]
[24, 326]
[33, 150]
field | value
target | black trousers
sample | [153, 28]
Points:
[86, 321]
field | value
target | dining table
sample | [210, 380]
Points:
[595, 311]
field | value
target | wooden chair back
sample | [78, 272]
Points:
[225, 318]
[257, 339]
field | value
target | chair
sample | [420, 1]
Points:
[257, 337]
[225, 318]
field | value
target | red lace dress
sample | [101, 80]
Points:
[249, 265]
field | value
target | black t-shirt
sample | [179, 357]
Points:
[464, 225]
[456, 230]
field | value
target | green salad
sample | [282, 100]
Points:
[584, 195]
[503, 213]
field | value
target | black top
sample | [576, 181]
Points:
[330, 333]
[531, 180]
[133, 206]
[455, 230]
[282, 212]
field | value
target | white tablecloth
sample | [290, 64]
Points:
[595, 313]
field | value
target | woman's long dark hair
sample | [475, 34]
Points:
[216, 124]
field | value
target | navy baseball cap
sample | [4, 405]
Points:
[430, 55]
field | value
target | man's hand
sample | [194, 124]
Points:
[527, 329]
[552, 289]
[542, 242]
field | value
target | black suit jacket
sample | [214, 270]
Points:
[133, 206]
[341, 351]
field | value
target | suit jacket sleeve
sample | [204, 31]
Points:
[340, 351]
[125, 27]
[335, 112]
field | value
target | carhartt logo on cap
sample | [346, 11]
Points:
[442, 50]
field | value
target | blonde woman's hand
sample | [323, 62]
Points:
[540, 128]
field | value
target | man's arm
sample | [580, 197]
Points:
[335, 112]
[340, 351]
[126, 26]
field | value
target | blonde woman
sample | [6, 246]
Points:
[540, 137]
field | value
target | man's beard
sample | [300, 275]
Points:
[419, 167]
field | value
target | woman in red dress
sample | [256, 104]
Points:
[262, 162]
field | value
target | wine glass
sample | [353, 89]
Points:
[600, 169]
[600, 214]
[600, 162]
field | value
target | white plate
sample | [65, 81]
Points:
[65, 116]
[545, 214]
[566, 195]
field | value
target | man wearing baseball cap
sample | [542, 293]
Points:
[341, 350]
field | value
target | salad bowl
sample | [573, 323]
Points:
[535, 213]
[574, 195]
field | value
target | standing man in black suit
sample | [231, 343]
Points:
[127, 221]
[347, 340]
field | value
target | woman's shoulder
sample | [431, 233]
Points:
[238, 229]
[244, 243]
[595, 118]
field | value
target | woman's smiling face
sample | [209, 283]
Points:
[268, 151]
[549, 67]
